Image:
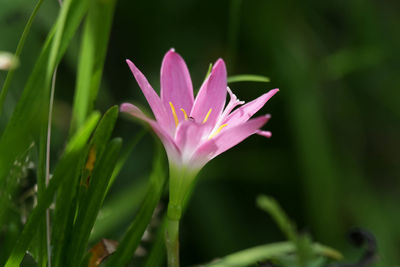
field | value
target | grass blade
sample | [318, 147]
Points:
[73, 192]
[272, 207]
[18, 136]
[91, 60]
[132, 238]
[17, 54]
[93, 200]
[66, 167]
[251, 256]
[248, 78]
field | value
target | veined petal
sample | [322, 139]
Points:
[229, 138]
[212, 95]
[189, 135]
[152, 98]
[176, 85]
[168, 142]
[245, 112]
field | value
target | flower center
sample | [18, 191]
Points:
[185, 115]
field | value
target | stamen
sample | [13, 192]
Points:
[184, 113]
[174, 114]
[218, 130]
[208, 115]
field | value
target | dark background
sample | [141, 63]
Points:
[333, 160]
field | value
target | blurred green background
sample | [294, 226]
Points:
[333, 162]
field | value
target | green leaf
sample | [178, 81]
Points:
[92, 202]
[305, 249]
[248, 78]
[91, 60]
[253, 255]
[132, 237]
[30, 112]
[66, 167]
[18, 52]
[272, 207]
[125, 154]
[272, 251]
[118, 209]
[74, 193]
[157, 254]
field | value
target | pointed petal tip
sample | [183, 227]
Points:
[172, 49]
[266, 134]
[219, 63]
[125, 107]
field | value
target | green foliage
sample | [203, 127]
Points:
[306, 252]
[132, 237]
[66, 168]
[248, 78]
[332, 67]
[95, 38]
[18, 52]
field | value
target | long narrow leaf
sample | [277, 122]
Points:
[28, 115]
[132, 238]
[18, 52]
[65, 168]
[91, 60]
[248, 78]
[72, 193]
[261, 253]
[92, 204]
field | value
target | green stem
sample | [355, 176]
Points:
[172, 241]
[180, 185]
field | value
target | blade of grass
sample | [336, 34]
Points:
[272, 207]
[118, 209]
[302, 244]
[45, 111]
[17, 136]
[73, 192]
[157, 254]
[132, 238]
[248, 78]
[91, 60]
[17, 54]
[65, 168]
[251, 256]
[91, 205]
[125, 154]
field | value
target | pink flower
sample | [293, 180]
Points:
[196, 130]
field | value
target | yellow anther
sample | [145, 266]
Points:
[208, 115]
[184, 113]
[174, 114]
[218, 130]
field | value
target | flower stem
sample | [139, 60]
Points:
[172, 241]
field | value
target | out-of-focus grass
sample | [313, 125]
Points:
[333, 159]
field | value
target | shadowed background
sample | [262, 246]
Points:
[333, 160]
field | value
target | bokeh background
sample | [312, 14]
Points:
[333, 162]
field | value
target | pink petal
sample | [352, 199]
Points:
[173, 151]
[152, 98]
[245, 112]
[266, 134]
[176, 85]
[189, 135]
[229, 138]
[212, 95]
